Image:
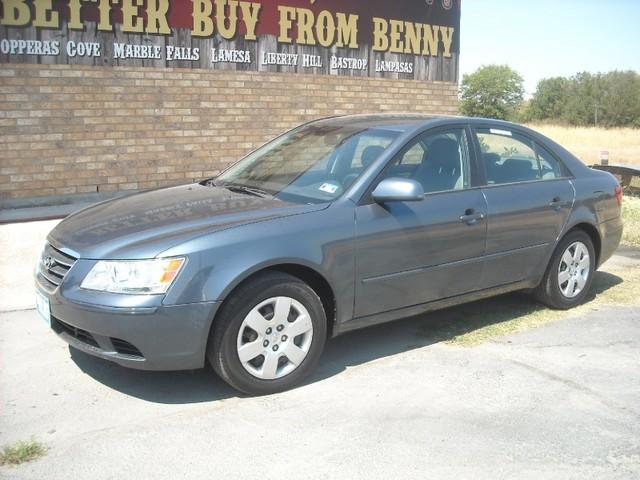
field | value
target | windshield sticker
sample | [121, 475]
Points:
[328, 187]
[500, 132]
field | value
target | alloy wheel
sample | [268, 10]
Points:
[574, 269]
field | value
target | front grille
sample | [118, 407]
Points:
[79, 334]
[125, 348]
[53, 265]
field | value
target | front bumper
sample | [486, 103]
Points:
[160, 337]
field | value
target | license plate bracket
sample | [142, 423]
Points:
[43, 308]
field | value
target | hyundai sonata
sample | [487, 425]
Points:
[337, 224]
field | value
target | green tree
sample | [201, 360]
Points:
[492, 91]
[549, 100]
[607, 99]
[585, 99]
[621, 99]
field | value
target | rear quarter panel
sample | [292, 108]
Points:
[596, 204]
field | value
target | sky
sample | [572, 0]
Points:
[547, 38]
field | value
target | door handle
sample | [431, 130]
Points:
[471, 217]
[555, 203]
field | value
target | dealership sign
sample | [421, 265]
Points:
[400, 38]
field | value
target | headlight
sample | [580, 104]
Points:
[133, 276]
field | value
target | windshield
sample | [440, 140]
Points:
[311, 164]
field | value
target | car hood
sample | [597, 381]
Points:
[145, 224]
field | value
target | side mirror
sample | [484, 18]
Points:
[396, 189]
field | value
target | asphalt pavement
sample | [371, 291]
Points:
[558, 402]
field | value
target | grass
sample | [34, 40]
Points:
[631, 218]
[518, 312]
[21, 452]
[617, 283]
[623, 144]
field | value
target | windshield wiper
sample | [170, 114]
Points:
[256, 192]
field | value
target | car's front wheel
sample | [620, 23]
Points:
[568, 278]
[269, 334]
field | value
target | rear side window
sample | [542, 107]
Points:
[511, 157]
[507, 156]
[549, 167]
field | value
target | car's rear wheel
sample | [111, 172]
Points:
[269, 334]
[569, 274]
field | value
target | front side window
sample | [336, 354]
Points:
[312, 164]
[439, 161]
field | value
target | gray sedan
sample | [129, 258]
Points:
[335, 225]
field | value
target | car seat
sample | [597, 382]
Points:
[369, 154]
[440, 167]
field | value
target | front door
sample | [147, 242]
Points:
[408, 253]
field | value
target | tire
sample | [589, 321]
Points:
[268, 335]
[566, 284]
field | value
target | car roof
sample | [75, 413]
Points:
[403, 122]
[388, 121]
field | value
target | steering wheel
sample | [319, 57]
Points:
[348, 180]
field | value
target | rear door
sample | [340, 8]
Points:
[408, 253]
[529, 197]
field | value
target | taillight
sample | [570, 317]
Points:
[618, 192]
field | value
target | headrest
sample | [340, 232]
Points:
[370, 153]
[443, 153]
[491, 158]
